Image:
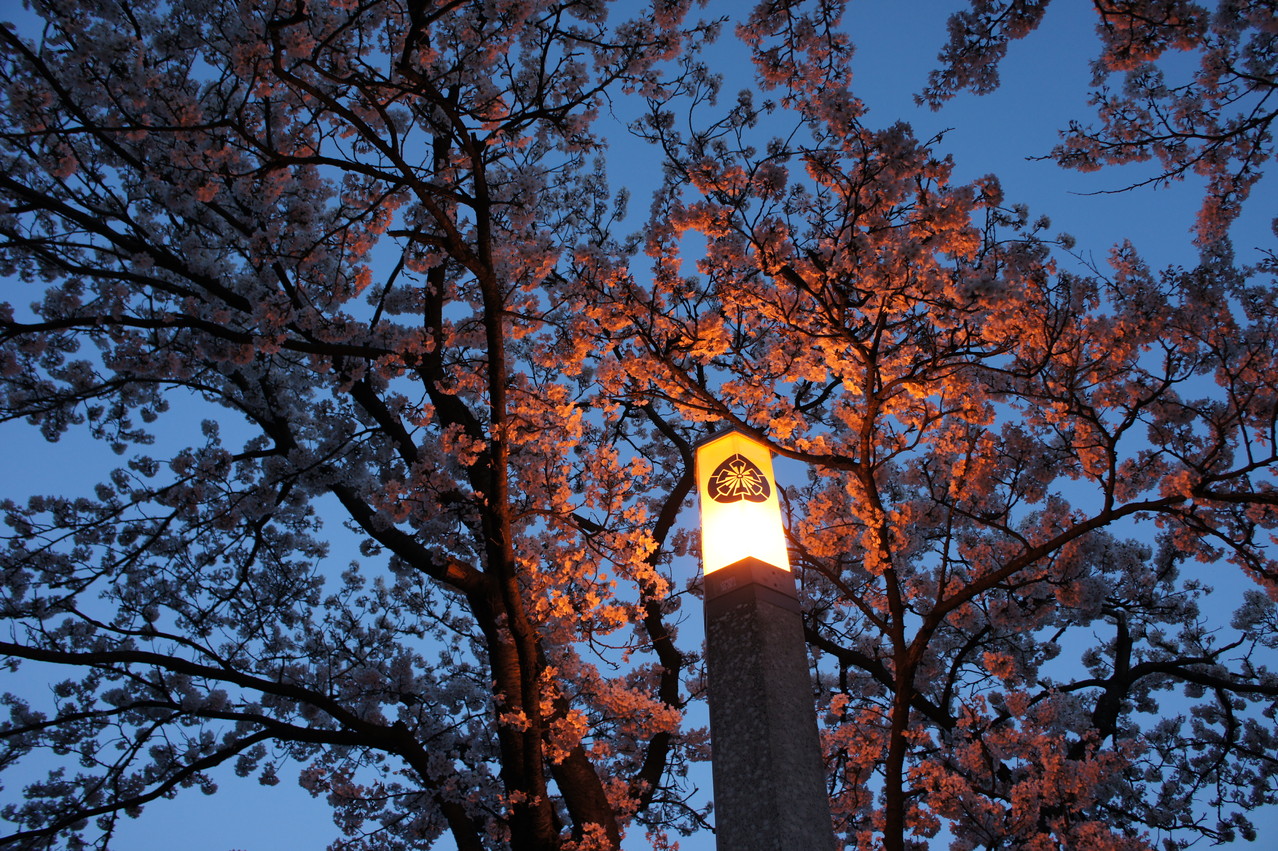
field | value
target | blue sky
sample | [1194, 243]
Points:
[1045, 83]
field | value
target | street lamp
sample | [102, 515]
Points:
[769, 778]
[740, 512]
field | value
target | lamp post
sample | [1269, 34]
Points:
[769, 778]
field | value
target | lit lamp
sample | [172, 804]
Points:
[740, 513]
[769, 778]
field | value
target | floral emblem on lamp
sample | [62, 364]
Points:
[738, 478]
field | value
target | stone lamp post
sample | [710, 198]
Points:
[769, 778]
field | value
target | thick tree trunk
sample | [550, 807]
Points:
[895, 799]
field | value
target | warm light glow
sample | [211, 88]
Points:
[740, 514]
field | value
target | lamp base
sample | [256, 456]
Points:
[769, 777]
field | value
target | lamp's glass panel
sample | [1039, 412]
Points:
[740, 514]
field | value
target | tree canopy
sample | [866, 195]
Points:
[375, 246]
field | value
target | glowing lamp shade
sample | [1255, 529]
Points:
[740, 514]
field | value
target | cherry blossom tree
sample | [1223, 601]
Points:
[374, 244]
[1188, 85]
[1001, 643]
[343, 227]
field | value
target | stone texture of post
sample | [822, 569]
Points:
[769, 778]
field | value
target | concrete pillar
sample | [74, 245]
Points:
[769, 778]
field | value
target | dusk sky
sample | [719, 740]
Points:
[1045, 84]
